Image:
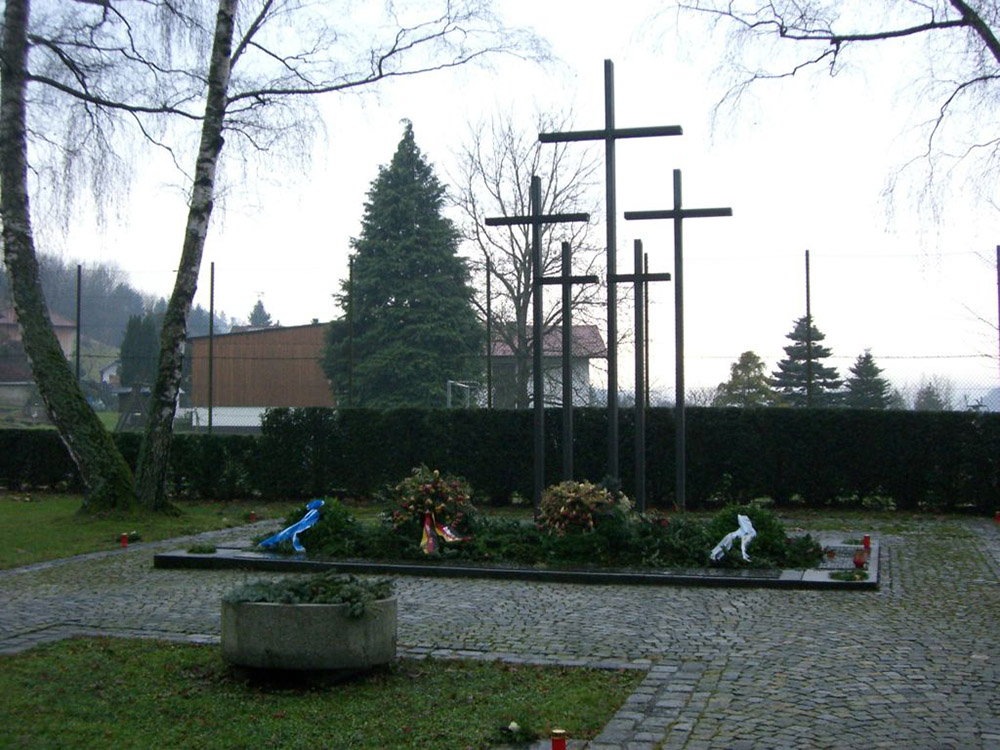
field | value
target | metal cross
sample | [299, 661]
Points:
[536, 219]
[609, 135]
[640, 279]
[678, 214]
[566, 280]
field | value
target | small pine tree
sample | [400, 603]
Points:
[409, 325]
[933, 395]
[801, 378]
[259, 317]
[866, 388]
[747, 384]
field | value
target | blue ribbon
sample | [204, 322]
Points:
[293, 531]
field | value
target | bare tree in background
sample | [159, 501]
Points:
[956, 84]
[496, 166]
[946, 52]
[113, 64]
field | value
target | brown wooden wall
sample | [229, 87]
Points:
[269, 367]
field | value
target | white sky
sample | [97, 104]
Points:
[803, 167]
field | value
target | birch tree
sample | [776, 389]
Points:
[104, 471]
[267, 58]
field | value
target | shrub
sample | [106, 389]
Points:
[681, 541]
[579, 506]
[324, 588]
[771, 547]
[336, 532]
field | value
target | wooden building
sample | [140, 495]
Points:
[265, 367]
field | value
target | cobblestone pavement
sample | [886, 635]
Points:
[914, 665]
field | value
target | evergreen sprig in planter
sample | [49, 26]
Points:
[323, 622]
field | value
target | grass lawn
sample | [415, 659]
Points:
[40, 526]
[140, 694]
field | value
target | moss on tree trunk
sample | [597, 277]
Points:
[106, 476]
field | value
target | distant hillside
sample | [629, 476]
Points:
[107, 299]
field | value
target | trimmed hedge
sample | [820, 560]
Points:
[940, 460]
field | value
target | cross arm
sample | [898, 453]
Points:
[591, 279]
[679, 213]
[600, 135]
[642, 277]
[506, 221]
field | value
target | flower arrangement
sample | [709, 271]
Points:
[447, 498]
[577, 506]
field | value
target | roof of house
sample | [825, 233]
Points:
[256, 331]
[9, 317]
[587, 343]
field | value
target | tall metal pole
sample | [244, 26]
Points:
[79, 276]
[809, 342]
[998, 305]
[640, 380]
[537, 337]
[350, 332]
[612, 240]
[489, 337]
[645, 317]
[211, 343]
[567, 371]
[680, 427]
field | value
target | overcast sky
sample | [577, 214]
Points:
[803, 166]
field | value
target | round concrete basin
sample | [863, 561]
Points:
[308, 636]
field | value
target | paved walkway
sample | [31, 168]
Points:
[913, 665]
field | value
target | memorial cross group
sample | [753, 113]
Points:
[639, 279]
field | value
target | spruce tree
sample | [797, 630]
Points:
[259, 317]
[140, 350]
[866, 388]
[408, 324]
[802, 379]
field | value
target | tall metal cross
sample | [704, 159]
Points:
[567, 280]
[536, 219]
[678, 214]
[640, 280]
[609, 135]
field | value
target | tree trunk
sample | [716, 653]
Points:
[106, 476]
[154, 456]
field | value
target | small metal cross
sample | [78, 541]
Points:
[536, 219]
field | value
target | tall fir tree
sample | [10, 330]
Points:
[866, 388]
[747, 384]
[408, 326]
[802, 379]
[139, 351]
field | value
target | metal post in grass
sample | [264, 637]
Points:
[79, 276]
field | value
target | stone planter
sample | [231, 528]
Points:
[308, 636]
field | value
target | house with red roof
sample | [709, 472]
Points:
[512, 370]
